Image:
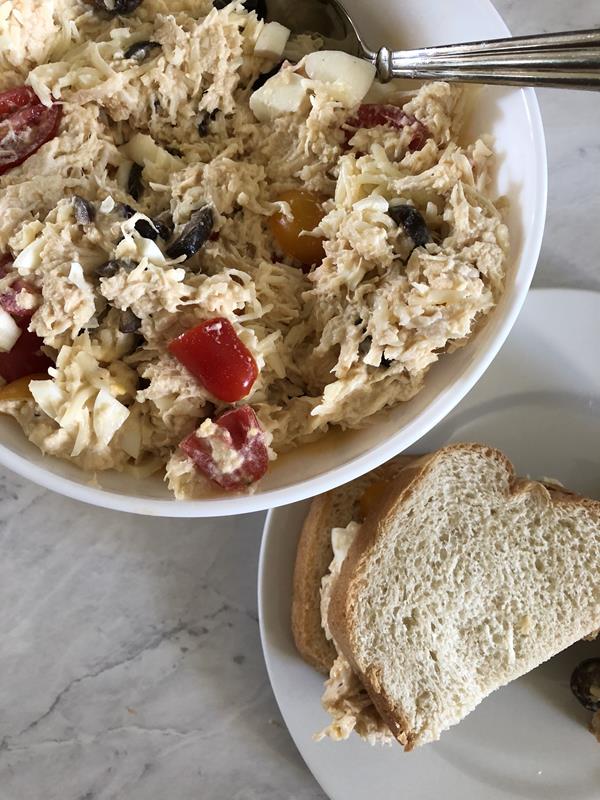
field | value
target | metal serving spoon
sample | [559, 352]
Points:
[558, 60]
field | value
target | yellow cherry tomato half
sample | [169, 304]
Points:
[307, 213]
[19, 389]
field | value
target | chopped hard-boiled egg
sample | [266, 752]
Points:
[29, 258]
[281, 94]
[146, 248]
[76, 275]
[48, 396]
[272, 40]
[157, 162]
[9, 332]
[348, 78]
[108, 416]
[78, 397]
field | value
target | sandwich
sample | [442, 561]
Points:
[428, 584]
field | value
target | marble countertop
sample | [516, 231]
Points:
[130, 664]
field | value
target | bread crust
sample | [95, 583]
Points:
[345, 594]
[343, 599]
[313, 556]
[309, 568]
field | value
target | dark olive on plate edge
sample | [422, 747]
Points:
[585, 683]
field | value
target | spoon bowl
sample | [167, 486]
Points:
[327, 18]
[568, 60]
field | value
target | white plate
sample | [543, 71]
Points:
[513, 117]
[540, 403]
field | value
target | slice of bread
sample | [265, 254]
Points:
[465, 579]
[335, 509]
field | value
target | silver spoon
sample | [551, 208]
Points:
[557, 60]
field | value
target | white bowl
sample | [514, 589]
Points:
[513, 117]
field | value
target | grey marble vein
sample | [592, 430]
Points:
[130, 660]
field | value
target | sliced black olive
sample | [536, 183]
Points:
[146, 229]
[413, 223]
[264, 76]
[116, 7]
[161, 226]
[154, 228]
[385, 363]
[101, 315]
[193, 236]
[129, 322]
[164, 225]
[135, 187]
[204, 121]
[84, 210]
[174, 151]
[140, 50]
[585, 683]
[142, 384]
[138, 341]
[125, 210]
[110, 268]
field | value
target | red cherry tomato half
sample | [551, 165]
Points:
[25, 358]
[8, 301]
[216, 356]
[8, 298]
[369, 115]
[13, 99]
[25, 125]
[239, 430]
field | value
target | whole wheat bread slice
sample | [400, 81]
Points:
[466, 578]
[335, 509]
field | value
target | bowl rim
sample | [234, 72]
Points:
[434, 412]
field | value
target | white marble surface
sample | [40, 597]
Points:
[130, 661]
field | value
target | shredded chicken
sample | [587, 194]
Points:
[345, 698]
[351, 708]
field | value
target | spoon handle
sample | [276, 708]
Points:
[545, 41]
[559, 60]
[549, 79]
